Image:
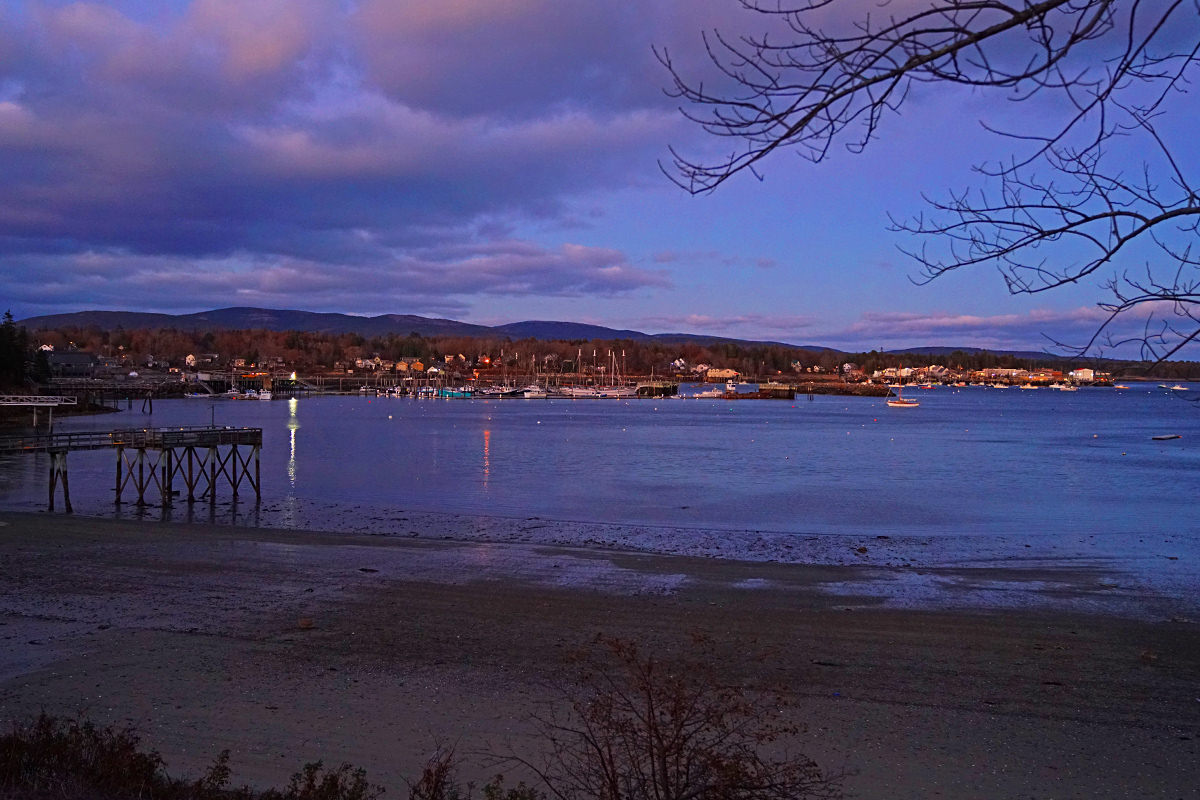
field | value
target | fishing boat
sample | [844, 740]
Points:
[497, 392]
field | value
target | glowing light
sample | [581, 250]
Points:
[487, 456]
[293, 426]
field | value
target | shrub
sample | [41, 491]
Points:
[637, 728]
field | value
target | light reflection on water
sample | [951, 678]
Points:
[487, 456]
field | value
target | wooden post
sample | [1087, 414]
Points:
[235, 476]
[166, 464]
[120, 463]
[191, 484]
[141, 476]
[212, 478]
[257, 475]
[58, 468]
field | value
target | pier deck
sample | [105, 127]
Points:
[193, 454]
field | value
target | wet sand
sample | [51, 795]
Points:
[192, 634]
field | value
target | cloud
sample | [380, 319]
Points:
[509, 57]
[286, 132]
[430, 280]
[1037, 329]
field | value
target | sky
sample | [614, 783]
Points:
[489, 161]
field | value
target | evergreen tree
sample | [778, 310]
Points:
[12, 351]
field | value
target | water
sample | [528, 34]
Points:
[997, 472]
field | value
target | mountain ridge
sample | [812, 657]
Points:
[253, 318]
[250, 318]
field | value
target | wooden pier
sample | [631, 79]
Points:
[197, 456]
[36, 401]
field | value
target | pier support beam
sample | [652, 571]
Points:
[58, 470]
[199, 467]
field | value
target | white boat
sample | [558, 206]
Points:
[1178, 388]
[264, 394]
[615, 392]
[535, 391]
[900, 401]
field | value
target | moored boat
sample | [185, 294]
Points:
[899, 401]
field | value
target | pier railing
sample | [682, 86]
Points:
[37, 400]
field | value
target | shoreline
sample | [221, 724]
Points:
[193, 634]
[901, 571]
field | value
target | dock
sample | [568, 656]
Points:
[36, 401]
[154, 458]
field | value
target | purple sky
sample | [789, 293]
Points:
[485, 160]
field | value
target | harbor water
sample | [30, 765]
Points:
[979, 475]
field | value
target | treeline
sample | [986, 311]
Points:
[310, 350]
[14, 353]
[313, 351]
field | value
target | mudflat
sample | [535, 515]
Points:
[287, 647]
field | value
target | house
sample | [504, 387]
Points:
[721, 375]
[74, 364]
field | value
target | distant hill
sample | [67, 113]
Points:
[564, 330]
[262, 319]
[242, 318]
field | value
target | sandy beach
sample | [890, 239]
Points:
[193, 634]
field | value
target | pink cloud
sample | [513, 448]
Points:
[256, 38]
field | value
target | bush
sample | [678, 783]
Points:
[636, 728]
[59, 759]
[52, 758]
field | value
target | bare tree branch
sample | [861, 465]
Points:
[1058, 210]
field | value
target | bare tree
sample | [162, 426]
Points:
[634, 727]
[1062, 206]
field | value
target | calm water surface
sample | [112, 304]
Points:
[975, 462]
